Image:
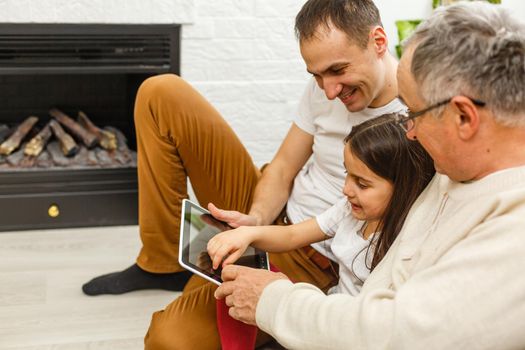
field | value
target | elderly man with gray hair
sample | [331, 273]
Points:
[453, 279]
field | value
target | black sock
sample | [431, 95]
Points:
[134, 278]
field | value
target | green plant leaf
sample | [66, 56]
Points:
[405, 28]
[436, 3]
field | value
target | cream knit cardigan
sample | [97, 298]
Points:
[453, 279]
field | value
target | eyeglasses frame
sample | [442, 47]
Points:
[403, 119]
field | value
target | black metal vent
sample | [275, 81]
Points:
[51, 48]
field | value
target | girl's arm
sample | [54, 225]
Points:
[232, 244]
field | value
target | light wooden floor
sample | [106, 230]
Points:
[42, 306]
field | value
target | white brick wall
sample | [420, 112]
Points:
[241, 54]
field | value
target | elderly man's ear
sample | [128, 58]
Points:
[466, 116]
[380, 40]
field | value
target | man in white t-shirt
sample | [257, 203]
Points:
[179, 134]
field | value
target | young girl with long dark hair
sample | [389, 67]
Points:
[386, 172]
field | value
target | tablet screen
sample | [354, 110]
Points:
[198, 227]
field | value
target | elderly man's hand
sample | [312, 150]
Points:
[242, 288]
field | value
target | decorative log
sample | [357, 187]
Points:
[12, 143]
[67, 144]
[123, 155]
[57, 154]
[89, 139]
[27, 162]
[15, 158]
[92, 158]
[106, 139]
[80, 159]
[122, 141]
[44, 160]
[4, 132]
[35, 146]
[103, 157]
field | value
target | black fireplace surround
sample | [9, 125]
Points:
[96, 68]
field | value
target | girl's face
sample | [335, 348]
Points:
[368, 194]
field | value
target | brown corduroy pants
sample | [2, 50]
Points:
[180, 135]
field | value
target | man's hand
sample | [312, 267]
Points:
[242, 288]
[232, 217]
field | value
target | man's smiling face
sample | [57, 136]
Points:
[344, 70]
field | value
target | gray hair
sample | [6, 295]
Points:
[474, 49]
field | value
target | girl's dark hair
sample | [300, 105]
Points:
[383, 147]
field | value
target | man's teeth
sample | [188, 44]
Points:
[348, 94]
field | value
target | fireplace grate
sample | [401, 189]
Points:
[44, 48]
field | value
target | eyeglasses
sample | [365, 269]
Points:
[406, 119]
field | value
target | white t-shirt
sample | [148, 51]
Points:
[350, 249]
[320, 183]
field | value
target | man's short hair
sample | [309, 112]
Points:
[353, 17]
[474, 49]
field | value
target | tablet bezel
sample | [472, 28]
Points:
[261, 257]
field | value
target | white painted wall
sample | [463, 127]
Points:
[241, 54]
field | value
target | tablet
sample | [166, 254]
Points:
[197, 227]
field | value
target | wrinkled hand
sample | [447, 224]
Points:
[230, 245]
[242, 288]
[232, 217]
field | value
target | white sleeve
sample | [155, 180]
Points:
[330, 219]
[305, 115]
[472, 298]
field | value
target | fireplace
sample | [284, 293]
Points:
[92, 68]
